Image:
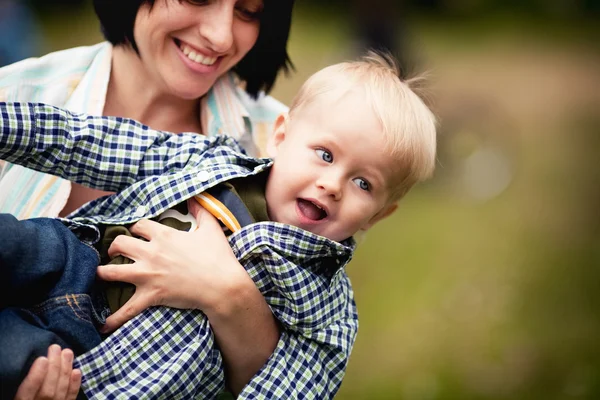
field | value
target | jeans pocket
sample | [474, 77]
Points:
[78, 306]
[71, 317]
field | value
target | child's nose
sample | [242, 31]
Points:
[331, 184]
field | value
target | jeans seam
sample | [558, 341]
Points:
[70, 300]
[93, 248]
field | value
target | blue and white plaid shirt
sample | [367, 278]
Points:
[170, 353]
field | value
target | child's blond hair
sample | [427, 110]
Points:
[408, 124]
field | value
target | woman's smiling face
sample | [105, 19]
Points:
[185, 46]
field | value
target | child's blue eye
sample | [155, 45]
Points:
[325, 155]
[361, 183]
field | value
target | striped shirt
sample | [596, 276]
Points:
[77, 79]
[169, 353]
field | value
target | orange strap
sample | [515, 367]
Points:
[220, 212]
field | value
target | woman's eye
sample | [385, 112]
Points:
[197, 2]
[361, 183]
[325, 155]
[247, 14]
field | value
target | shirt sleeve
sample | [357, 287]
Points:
[107, 153]
[314, 303]
[305, 368]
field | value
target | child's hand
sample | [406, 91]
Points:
[51, 378]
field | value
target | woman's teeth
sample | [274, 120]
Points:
[196, 57]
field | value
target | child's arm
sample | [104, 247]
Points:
[106, 153]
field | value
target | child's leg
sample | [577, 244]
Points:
[46, 280]
[21, 342]
[26, 334]
[41, 258]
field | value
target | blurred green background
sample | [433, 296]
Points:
[486, 283]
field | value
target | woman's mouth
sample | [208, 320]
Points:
[194, 55]
[311, 211]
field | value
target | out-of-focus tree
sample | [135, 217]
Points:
[57, 3]
[548, 7]
[380, 25]
[19, 32]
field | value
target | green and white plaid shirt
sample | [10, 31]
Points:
[169, 353]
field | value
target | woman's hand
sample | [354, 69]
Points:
[51, 377]
[197, 270]
[174, 268]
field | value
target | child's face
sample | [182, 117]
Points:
[331, 173]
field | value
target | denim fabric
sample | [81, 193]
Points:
[47, 295]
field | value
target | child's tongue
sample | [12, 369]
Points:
[310, 211]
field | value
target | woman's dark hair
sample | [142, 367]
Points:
[259, 68]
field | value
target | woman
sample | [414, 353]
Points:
[169, 67]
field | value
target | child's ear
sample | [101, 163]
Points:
[278, 135]
[384, 213]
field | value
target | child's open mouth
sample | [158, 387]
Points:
[311, 210]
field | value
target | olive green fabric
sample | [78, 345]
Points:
[251, 190]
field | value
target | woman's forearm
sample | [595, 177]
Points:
[245, 330]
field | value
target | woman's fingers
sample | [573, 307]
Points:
[34, 380]
[170, 267]
[147, 229]
[195, 209]
[138, 303]
[127, 246]
[203, 217]
[130, 273]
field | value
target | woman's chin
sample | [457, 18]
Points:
[188, 90]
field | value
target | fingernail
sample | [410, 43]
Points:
[54, 350]
[67, 355]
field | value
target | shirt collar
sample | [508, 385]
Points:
[89, 96]
[324, 256]
[222, 112]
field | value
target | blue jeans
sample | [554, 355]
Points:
[47, 295]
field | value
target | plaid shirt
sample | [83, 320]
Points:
[169, 353]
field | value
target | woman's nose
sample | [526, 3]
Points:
[217, 25]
